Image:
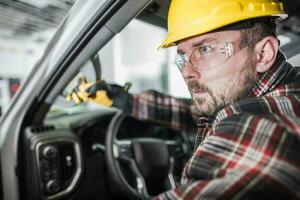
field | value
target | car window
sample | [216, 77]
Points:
[133, 56]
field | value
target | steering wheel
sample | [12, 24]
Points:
[147, 158]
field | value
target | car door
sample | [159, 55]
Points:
[87, 27]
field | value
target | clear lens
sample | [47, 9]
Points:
[180, 60]
[205, 57]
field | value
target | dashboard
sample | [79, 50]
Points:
[65, 158]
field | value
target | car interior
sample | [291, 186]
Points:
[89, 151]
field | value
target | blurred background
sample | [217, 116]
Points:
[26, 26]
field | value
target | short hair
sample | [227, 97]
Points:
[259, 30]
[253, 30]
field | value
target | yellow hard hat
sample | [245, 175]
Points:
[188, 18]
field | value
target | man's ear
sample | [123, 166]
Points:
[266, 52]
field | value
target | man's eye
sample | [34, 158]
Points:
[205, 49]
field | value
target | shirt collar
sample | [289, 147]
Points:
[269, 80]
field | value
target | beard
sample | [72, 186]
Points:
[234, 90]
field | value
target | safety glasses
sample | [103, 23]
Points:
[205, 57]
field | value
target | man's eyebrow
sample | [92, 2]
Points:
[198, 43]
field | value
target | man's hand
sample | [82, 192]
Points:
[102, 93]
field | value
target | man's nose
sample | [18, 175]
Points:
[190, 73]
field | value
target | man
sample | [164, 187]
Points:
[246, 99]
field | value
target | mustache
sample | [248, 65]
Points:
[197, 86]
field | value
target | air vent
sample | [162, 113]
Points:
[41, 129]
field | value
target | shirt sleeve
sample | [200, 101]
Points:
[177, 113]
[243, 157]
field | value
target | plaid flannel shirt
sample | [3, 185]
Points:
[250, 150]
